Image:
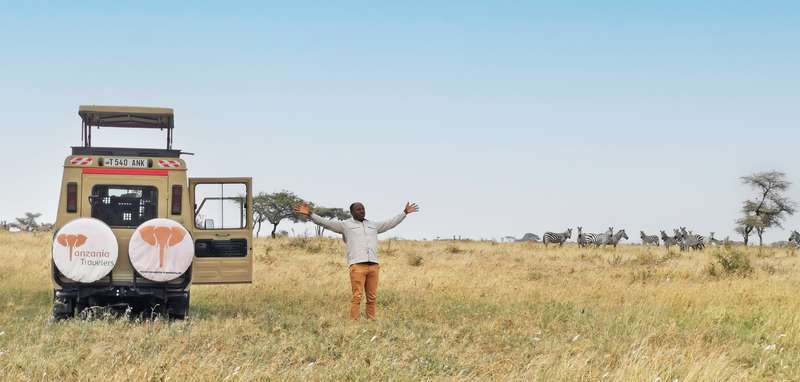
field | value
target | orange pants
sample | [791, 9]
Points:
[364, 277]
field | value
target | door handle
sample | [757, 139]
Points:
[222, 234]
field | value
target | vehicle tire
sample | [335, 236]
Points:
[178, 306]
[63, 308]
[80, 307]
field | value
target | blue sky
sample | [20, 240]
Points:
[499, 118]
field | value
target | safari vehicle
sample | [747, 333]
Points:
[133, 230]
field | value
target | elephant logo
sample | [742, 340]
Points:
[163, 237]
[71, 241]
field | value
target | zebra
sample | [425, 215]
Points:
[795, 238]
[581, 238]
[713, 241]
[585, 239]
[689, 240]
[557, 238]
[700, 239]
[676, 233]
[602, 238]
[668, 240]
[615, 238]
[649, 240]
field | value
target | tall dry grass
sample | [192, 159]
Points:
[447, 310]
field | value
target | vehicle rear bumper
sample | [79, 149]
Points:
[108, 287]
[120, 292]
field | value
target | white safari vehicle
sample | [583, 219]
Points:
[133, 230]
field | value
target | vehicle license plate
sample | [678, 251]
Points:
[124, 162]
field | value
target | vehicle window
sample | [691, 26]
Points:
[220, 206]
[124, 206]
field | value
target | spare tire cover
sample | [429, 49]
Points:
[161, 250]
[85, 250]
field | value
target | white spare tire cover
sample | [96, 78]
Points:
[85, 250]
[161, 250]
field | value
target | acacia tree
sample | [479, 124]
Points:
[259, 210]
[741, 229]
[27, 223]
[330, 213]
[769, 208]
[274, 208]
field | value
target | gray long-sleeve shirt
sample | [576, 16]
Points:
[361, 237]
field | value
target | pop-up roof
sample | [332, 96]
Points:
[125, 116]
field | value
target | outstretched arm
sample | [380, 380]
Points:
[393, 222]
[329, 224]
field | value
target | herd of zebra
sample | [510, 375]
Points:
[683, 239]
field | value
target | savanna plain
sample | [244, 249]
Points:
[447, 311]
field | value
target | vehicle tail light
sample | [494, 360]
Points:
[72, 197]
[177, 199]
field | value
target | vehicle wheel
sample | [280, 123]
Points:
[80, 307]
[63, 308]
[178, 306]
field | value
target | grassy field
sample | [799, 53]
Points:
[447, 310]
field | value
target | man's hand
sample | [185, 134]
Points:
[411, 208]
[303, 209]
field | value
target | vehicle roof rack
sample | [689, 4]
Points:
[125, 116]
[127, 151]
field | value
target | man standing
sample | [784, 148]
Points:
[361, 237]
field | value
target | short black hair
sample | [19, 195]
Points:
[354, 206]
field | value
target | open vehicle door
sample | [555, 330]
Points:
[222, 229]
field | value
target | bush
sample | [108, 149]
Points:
[730, 262]
[646, 258]
[615, 260]
[305, 244]
[388, 250]
[534, 275]
[453, 249]
[414, 260]
[642, 275]
[265, 258]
